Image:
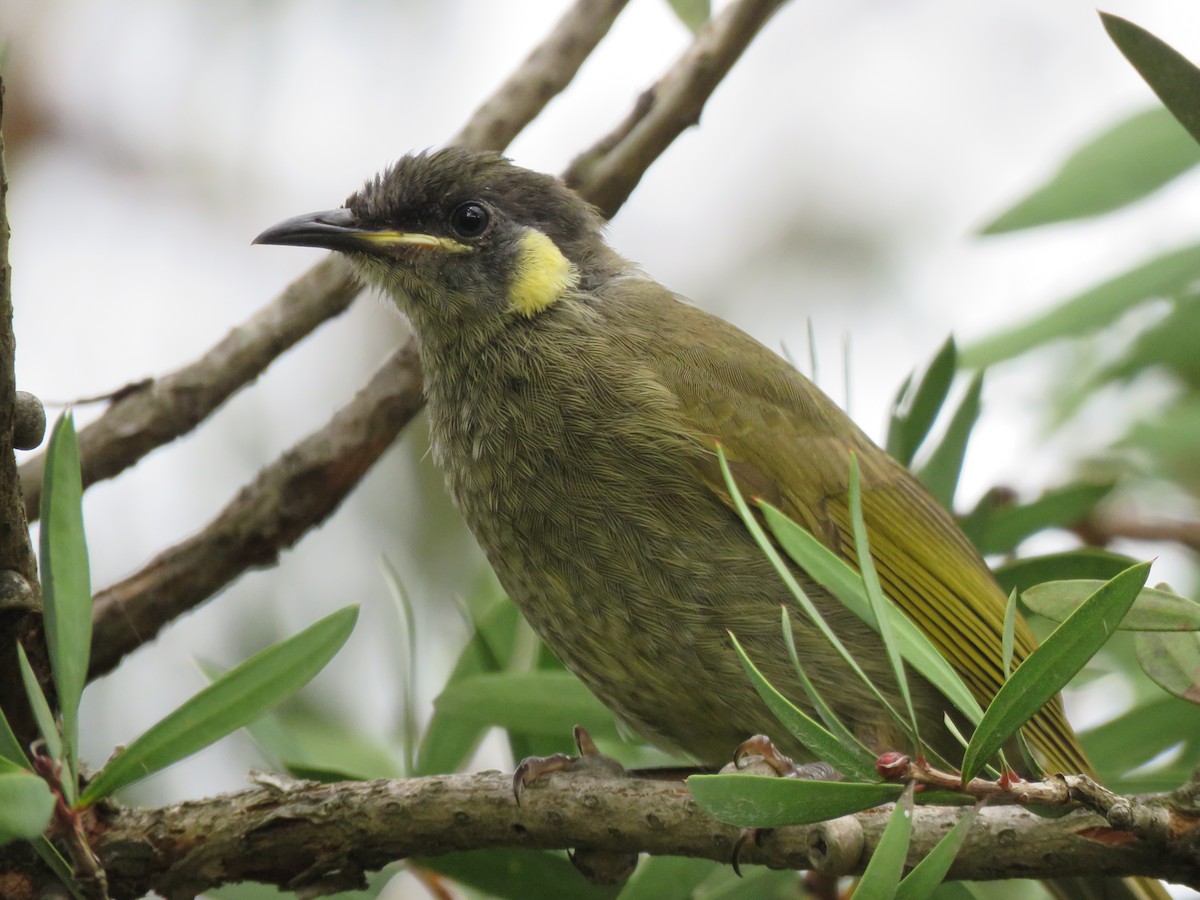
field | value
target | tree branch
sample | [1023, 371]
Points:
[297, 492]
[608, 172]
[323, 837]
[1103, 529]
[288, 497]
[20, 593]
[148, 414]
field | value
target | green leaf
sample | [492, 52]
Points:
[1172, 661]
[1089, 562]
[881, 878]
[1169, 73]
[1153, 610]
[47, 727]
[851, 761]
[26, 805]
[828, 717]
[235, 699]
[668, 878]
[449, 741]
[1007, 636]
[10, 747]
[789, 579]
[940, 472]
[313, 745]
[1169, 343]
[1000, 528]
[55, 863]
[539, 702]
[914, 411]
[843, 581]
[931, 871]
[1163, 276]
[1048, 668]
[408, 703]
[1125, 163]
[692, 13]
[66, 582]
[1141, 734]
[881, 607]
[759, 801]
[518, 875]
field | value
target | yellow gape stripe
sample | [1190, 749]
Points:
[542, 275]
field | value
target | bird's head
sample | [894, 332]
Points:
[458, 237]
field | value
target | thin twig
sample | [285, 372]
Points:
[266, 518]
[154, 412]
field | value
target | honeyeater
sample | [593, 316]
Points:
[575, 406]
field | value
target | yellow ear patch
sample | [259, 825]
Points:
[542, 275]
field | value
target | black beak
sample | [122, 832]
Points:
[334, 229]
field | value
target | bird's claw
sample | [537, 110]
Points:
[531, 768]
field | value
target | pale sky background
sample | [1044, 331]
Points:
[838, 174]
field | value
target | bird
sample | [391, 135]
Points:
[576, 407]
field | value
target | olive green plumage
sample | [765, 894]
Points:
[575, 405]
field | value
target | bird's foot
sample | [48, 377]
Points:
[598, 867]
[589, 760]
[759, 754]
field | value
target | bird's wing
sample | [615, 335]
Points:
[790, 444]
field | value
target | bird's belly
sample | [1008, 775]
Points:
[635, 577]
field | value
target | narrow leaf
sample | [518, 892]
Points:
[1131, 159]
[1089, 562]
[789, 579]
[840, 578]
[517, 874]
[931, 871]
[881, 878]
[66, 580]
[42, 715]
[759, 801]
[999, 529]
[408, 703]
[668, 878]
[538, 702]
[881, 607]
[235, 699]
[1047, 669]
[10, 747]
[940, 472]
[26, 805]
[914, 411]
[1162, 276]
[848, 760]
[692, 13]
[823, 710]
[1172, 661]
[1153, 610]
[449, 740]
[1008, 635]
[55, 863]
[1168, 72]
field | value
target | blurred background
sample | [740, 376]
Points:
[839, 177]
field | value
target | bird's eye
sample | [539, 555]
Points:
[469, 219]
